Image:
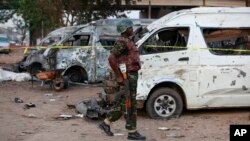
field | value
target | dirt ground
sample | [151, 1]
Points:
[39, 123]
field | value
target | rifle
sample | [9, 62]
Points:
[127, 91]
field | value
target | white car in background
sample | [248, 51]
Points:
[4, 44]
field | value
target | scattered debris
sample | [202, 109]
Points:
[166, 128]
[79, 115]
[18, 100]
[175, 128]
[118, 134]
[163, 128]
[52, 100]
[89, 108]
[48, 94]
[66, 117]
[31, 115]
[71, 106]
[175, 135]
[29, 105]
[27, 132]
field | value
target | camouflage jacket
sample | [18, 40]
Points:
[126, 52]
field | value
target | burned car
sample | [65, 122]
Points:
[57, 35]
[82, 55]
[32, 56]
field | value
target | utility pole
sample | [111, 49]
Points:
[149, 9]
[42, 29]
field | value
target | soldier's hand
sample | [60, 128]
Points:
[120, 80]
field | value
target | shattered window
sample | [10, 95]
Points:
[77, 40]
[228, 41]
[107, 42]
[81, 40]
[51, 40]
[166, 40]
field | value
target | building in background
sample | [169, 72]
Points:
[159, 8]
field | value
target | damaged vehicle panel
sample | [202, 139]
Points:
[200, 58]
[57, 35]
[83, 56]
[33, 57]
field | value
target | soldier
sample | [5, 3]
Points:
[124, 52]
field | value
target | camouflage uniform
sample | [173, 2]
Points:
[126, 52]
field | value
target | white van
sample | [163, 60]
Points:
[193, 59]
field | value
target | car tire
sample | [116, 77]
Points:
[66, 82]
[164, 103]
[75, 75]
[60, 83]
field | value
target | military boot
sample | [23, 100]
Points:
[106, 128]
[136, 136]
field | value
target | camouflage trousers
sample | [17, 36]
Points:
[120, 108]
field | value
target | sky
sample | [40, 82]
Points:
[134, 14]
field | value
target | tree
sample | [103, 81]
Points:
[42, 16]
[84, 11]
[8, 9]
[20, 26]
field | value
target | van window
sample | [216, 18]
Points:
[77, 40]
[107, 42]
[227, 41]
[166, 40]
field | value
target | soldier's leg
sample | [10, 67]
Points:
[117, 110]
[131, 120]
[133, 134]
[114, 114]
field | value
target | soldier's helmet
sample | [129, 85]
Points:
[123, 25]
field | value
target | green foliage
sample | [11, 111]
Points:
[8, 9]
[50, 14]
[84, 11]
[38, 13]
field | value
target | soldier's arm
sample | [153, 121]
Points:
[120, 48]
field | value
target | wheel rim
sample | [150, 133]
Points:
[164, 105]
[75, 76]
[58, 84]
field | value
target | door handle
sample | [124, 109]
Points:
[183, 59]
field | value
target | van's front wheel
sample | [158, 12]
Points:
[164, 103]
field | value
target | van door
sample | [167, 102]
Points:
[224, 68]
[165, 58]
[103, 48]
[77, 53]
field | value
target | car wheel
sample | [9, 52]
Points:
[75, 75]
[58, 84]
[66, 82]
[164, 103]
